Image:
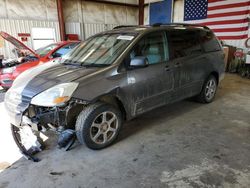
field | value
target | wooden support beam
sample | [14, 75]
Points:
[141, 12]
[61, 19]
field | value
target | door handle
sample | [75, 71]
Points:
[177, 64]
[167, 68]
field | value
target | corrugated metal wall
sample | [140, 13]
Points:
[87, 29]
[13, 27]
[29, 9]
[87, 18]
[74, 28]
[91, 29]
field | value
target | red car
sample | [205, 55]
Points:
[32, 58]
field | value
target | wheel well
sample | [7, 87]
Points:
[216, 76]
[113, 100]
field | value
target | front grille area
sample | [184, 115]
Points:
[7, 81]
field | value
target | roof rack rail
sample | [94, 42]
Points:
[179, 24]
[124, 26]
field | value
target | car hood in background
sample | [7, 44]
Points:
[43, 77]
[18, 44]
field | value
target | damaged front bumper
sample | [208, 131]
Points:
[40, 119]
[21, 112]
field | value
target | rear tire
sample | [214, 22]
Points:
[208, 91]
[98, 125]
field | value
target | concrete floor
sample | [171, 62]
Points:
[182, 145]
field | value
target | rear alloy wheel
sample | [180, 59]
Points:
[98, 125]
[208, 91]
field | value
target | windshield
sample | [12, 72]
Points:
[100, 50]
[45, 50]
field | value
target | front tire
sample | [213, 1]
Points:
[209, 90]
[98, 125]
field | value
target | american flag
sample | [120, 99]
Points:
[229, 19]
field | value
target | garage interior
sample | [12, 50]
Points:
[185, 144]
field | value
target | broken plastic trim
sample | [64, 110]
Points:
[67, 137]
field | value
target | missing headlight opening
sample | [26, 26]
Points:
[38, 120]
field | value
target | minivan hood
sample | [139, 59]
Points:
[18, 44]
[43, 77]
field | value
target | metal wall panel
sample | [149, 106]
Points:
[74, 28]
[178, 11]
[13, 27]
[88, 29]
[29, 9]
[91, 29]
[151, 1]
[146, 15]
[92, 12]
[135, 2]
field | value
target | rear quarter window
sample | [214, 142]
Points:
[184, 43]
[209, 41]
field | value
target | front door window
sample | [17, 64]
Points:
[153, 47]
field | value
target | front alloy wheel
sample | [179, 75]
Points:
[104, 127]
[98, 125]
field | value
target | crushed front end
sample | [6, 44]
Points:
[34, 120]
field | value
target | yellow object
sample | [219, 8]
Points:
[59, 100]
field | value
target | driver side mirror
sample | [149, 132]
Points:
[139, 62]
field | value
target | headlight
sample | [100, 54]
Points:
[55, 96]
[8, 70]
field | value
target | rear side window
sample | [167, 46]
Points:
[184, 43]
[209, 41]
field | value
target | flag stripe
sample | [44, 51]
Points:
[230, 29]
[236, 33]
[213, 1]
[226, 22]
[216, 19]
[231, 26]
[226, 2]
[232, 37]
[227, 10]
[237, 13]
[224, 6]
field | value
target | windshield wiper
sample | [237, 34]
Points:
[69, 62]
[94, 65]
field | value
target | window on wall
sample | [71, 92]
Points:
[184, 43]
[42, 37]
